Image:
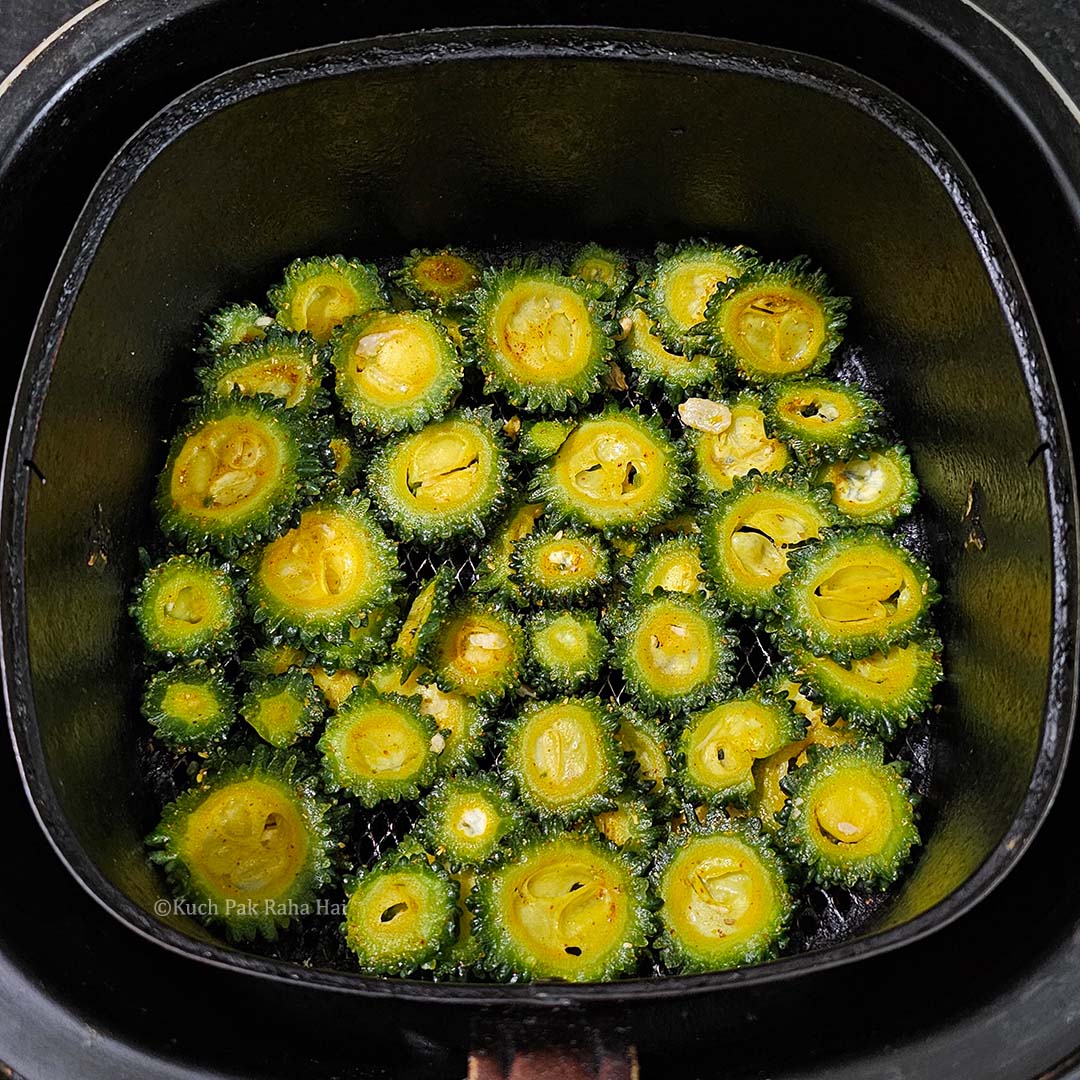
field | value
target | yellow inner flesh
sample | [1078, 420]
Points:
[648, 754]
[728, 739]
[862, 485]
[596, 270]
[395, 360]
[389, 913]
[190, 702]
[542, 332]
[383, 744]
[611, 465]
[743, 447]
[246, 841]
[342, 452]
[674, 648]
[337, 687]
[323, 565]
[566, 638]
[281, 377]
[279, 658]
[883, 676]
[816, 409]
[563, 559]
[444, 465]
[642, 337]
[852, 811]
[321, 303]
[690, 285]
[225, 468]
[616, 825]
[715, 890]
[445, 275]
[566, 906]
[478, 648]
[760, 532]
[184, 605]
[777, 329]
[676, 571]
[560, 754]
[278, 715]
[861, 589]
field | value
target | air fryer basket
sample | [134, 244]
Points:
[372, 147]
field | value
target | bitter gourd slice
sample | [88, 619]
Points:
[444, 481]
[563, 906]
[724, 899]
[438, 279]
[401, 914]
[560, 565]
[191, 707]
[562, 757]
[187, 608]
[874, 488]
[248, 848]
[630, 825]
[279, 364]
[394, 370]
[671, 566]
[232, 325]
[593, 263]
[566, 650]
[478, 651]
[425, 616]
[324, 575]
[644, 741]
[283, 708]
[777, 321]
[617, 472]
[364, 644]
[466, 818]
[541, 439]
[821, 419]
[539, 337]
[674, 372]
[850, 818]
[494, 575]
[320, 293]
[378, 747]
[855, 593]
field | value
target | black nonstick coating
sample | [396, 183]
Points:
[372, 147]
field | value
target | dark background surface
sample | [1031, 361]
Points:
[969, 1012]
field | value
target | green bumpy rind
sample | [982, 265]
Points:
[186, 608]
[487, 345]
[654, 364]
[847, 436]
[414, 920]
[417, 771]
[736, 782]
[471, 516]
[366, 644]
[493, 569]
[300, 469]
[232, 325]
[510, 953]
[566, 650]
[408, 409]
[631, 825]
[164, 702]
[566, 503]
[855, 472]
[282, 709]
[693, 689]
[452, 677]
[754, 598]
[798, 622]
[646, 743]
[541, 439]
[531, 557]
[604, 775]
[358, 283]
[795, 274]
[825, 860]
[673, 565]
[375, 579]
[444, 830]
[344, 460]
[292, 370]
[717, 951]
[848, 689]
[441, 296]
[594, 263]
[237, 908]
[680, 335]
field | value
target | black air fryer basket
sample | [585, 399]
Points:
[474, 136]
